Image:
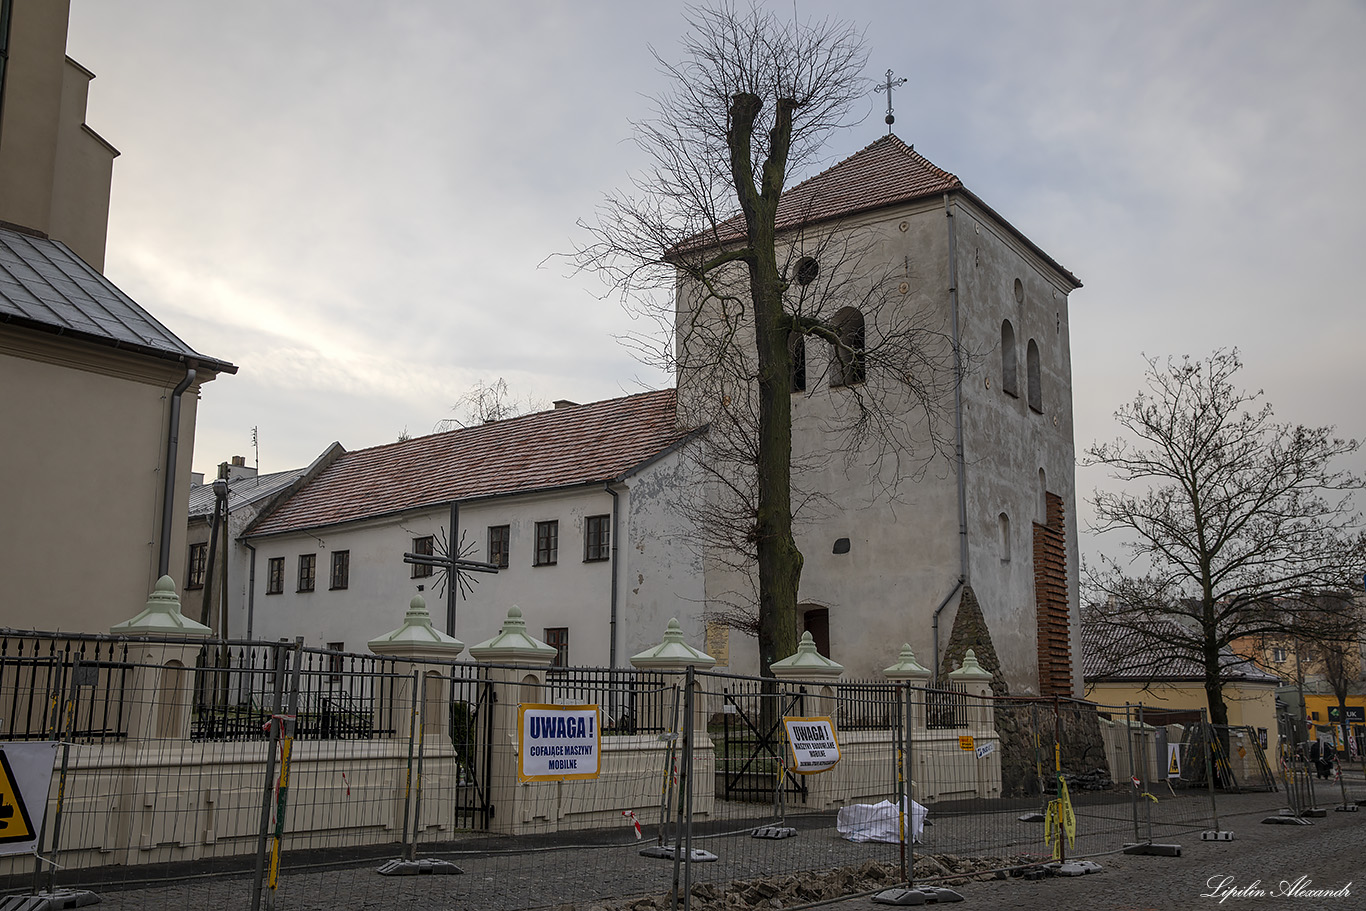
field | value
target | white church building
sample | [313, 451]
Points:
[579, 506]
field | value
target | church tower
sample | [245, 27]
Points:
[966, 483]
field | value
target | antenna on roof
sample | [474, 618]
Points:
[256, 445]
[887, 87]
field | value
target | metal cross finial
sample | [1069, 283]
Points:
[887, 87]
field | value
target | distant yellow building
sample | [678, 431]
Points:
[1133, 667]
[1322, 713]
[1294, 659]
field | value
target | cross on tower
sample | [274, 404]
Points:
[887, 87]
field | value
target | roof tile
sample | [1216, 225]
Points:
[563, 447]
[884, 173]
[1147, 650]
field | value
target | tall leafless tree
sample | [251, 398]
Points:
[734, 292]
[1339, 642]
[1234, 524]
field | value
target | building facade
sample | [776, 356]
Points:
[572, 506]
[55, 170]
[245, 494]
[99, 404]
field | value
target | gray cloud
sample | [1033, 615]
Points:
[354, 201]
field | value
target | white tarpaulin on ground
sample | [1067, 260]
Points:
[878, 821]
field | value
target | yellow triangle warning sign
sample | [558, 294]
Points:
[15, 823]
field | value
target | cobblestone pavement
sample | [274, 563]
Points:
[1330, 854]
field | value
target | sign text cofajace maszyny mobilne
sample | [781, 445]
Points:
[558, 742]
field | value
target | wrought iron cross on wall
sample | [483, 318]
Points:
[448, 558]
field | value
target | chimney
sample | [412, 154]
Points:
[564, 403]
[235, 469]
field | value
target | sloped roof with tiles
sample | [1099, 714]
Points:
[242, 491]
[1145, 651]
[564, 447]
[885, 173]
[46, 287]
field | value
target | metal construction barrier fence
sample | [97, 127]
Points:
[269, 775]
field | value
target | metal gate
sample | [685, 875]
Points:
[750, 756]
[471, 730]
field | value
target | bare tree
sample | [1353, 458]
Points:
[1238, 524]
[1340, 644]
[737, 278]
[485, 403]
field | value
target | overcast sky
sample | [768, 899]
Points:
[353, 201]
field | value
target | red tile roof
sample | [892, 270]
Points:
[564, 447]
[885, 173]
[1153, 650]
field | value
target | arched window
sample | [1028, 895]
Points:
[846, 359]
[1035, 384]
[796, 348]
[1009, 373]
[1005, 537]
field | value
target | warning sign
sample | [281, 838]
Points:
[966, 743]
[813, 743]
[25, 776]
[558, 742]
[1173, 760]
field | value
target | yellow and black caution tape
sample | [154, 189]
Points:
[1060, 821]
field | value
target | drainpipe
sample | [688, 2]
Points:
[957, 586]
[613, 623]
[168, 490]
[958, 430]
[251, 587]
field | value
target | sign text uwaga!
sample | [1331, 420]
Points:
[813, 743]
[558, 742]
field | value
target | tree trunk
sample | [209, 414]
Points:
[780, 562]
[1215, 693]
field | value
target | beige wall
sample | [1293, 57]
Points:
[1248, 704]
[85, 170]
[82, 456]
[54, 170]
